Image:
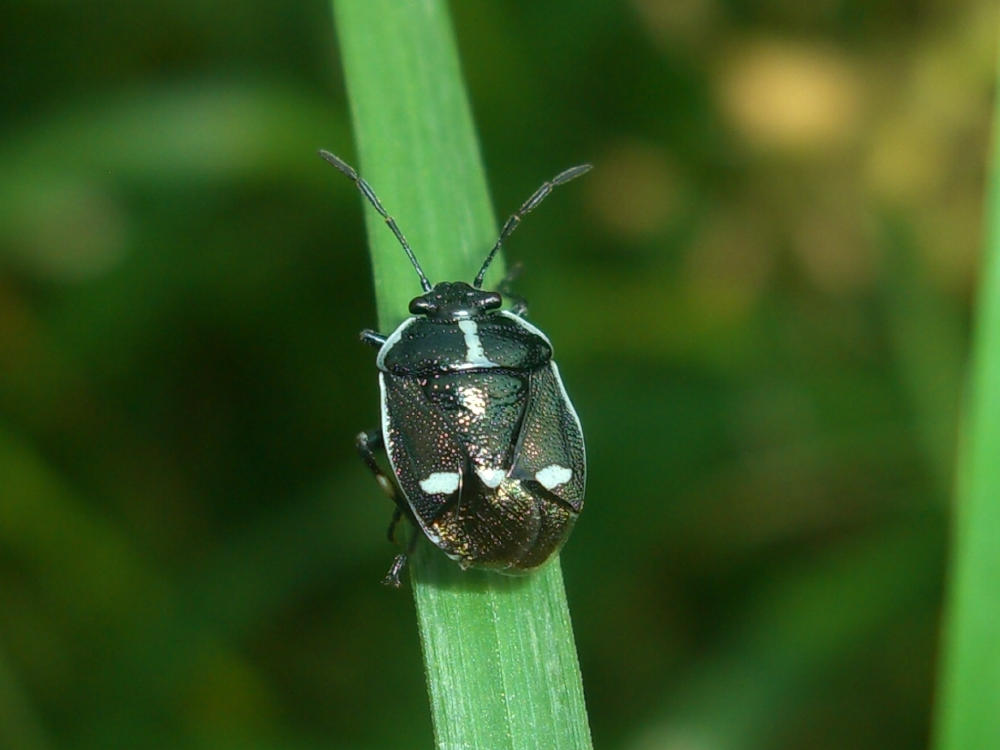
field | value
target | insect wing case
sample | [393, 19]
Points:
[483, 440]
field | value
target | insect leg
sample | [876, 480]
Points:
[399, 562]
[519, 305]
[397, 515]
[367, 443]
[372, 338]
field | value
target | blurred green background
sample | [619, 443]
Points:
[759, 300]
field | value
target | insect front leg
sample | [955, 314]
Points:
[519, 305]
[372, 338]
[367, 443]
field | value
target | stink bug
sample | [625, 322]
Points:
[485, 446]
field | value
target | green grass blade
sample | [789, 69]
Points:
[500, 659]
[969, 696]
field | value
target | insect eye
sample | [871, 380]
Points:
[420, 306]
[491, 301]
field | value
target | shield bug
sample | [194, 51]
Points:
[485, 447]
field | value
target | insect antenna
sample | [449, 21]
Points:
[537, 197]
[366, 190]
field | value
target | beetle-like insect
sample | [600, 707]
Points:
[483, 441]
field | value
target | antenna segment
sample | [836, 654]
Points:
[366, 190]
[537, 197]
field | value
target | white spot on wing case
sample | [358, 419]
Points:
[554, 475]
[440, 482]
[491, 477]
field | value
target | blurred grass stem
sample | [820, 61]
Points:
[500, 658]
[969, 694]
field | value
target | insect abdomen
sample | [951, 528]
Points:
[511, 528]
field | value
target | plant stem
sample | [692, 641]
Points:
[500, 659]
[969, 695]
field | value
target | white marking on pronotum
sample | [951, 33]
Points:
[554, 475]
[440, 482]
[491, 477]
[474, 354]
